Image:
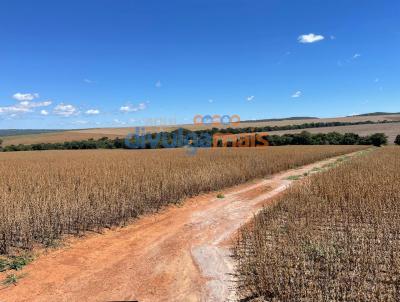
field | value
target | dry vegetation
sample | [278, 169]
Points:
[334, 237]
[44, 195]
[60, 137]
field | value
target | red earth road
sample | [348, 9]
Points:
[179, 254]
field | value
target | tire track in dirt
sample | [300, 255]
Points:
[179, 254]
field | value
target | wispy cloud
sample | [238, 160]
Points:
[92, 112]
[250, 98]
[349, 60]
[28, 104]
[211, 101]
[132, 108]
[158, 84]
[80, 122]
[284, 57]
[118, 122]
[44, 112]
[88, 81]
[297, 94]
[65, 110]
[23, 106]
[310, 38]
[14, 109]
[25, 96]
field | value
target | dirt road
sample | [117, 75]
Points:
[181, 254]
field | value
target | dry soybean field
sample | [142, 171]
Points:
[333, 237]
[44, 195]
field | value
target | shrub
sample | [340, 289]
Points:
[378, 139]
[350, 139]
[397, 141]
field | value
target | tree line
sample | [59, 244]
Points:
[303, 138]
[290, 127]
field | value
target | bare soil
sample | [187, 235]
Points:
[179, 254]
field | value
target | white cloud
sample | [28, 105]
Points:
[35, 104]
[80, 122]
[158, 84]
[92, 111]
[117, 121]
[14, 109]
[310, 38]
[333, 37]
[23, 107]
[88, 81]
[297, 94]
[131, 108]
[25, 96]
[65, 110]
[250, 98]
[356, 56]
[44, 112]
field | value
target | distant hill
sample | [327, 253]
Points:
[293, 118]
[377, 113]
[373, 122]
[13, 132]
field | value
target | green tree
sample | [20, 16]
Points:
[378, 139]
[334, 138]
[397, 141]
[1, 143]
[350, 139]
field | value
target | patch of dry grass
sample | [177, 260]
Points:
[334, 237]
[44, 195]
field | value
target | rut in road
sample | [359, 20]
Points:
[180, 254]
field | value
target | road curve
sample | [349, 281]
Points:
[179, 254]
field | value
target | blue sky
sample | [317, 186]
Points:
[104, 63]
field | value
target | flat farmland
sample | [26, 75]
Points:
[70, 135]
[390, 129]
[44, 195]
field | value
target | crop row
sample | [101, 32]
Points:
[333, 237]
[44, 195]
